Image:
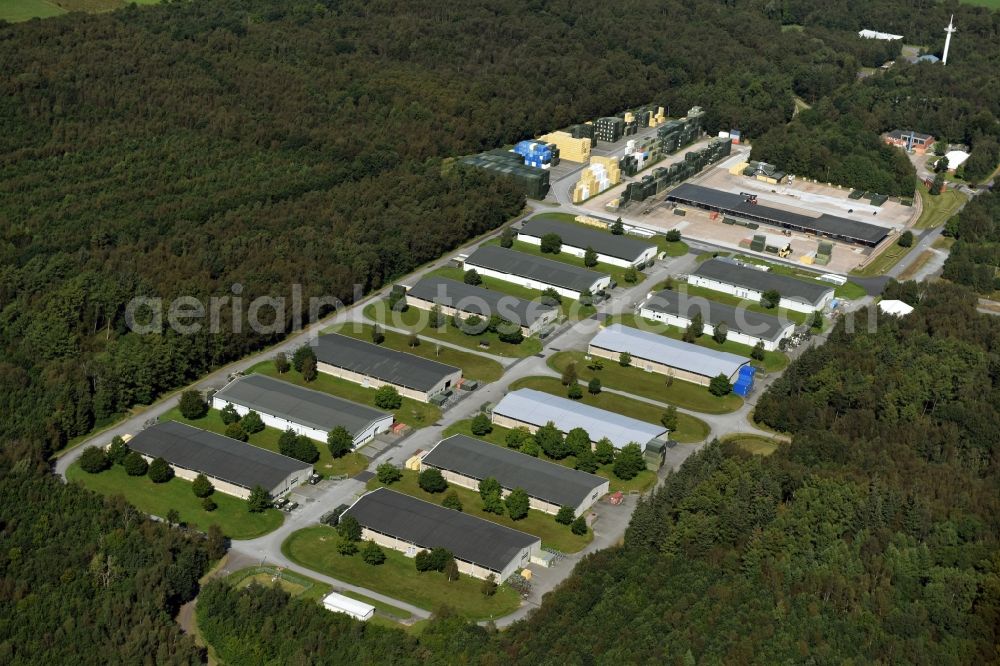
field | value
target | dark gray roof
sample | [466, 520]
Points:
[213, 455]
[300, 405]
[728, 202]
[760, 325]
[902, 134]
[547, 271]
[575, 235]
[540, 479]
[431, 526]
[478, 300]
[388, 365]
[729, 272]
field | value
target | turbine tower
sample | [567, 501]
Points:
[947, 40]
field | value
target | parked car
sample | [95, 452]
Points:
[280, 502]
[290, 506]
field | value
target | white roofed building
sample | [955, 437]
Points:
[338, 603]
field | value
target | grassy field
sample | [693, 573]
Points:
[848, 291]
[991, 4]
[539, 524]
[943, 243]
[267, 438]
[640, 483]
[413, 413]
[158, 498]
[415, 319]
[891, 256]
[473, 366]
[293, 583]
[569, 307]
[938, 209]
[648, 384]
[755, 444]
[315, 548]
[689, 429]
[774, 361]
[23, 10]
[916, 265]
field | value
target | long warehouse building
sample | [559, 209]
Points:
[465, 461]
[452, 297]
[744, 326]
[735, 205]
[657, 353]
[726, 276]
[533, 272]
[576, 238]
[531, 409]
[233, 467]
[285, 406]
[481, 548]
[374, 366]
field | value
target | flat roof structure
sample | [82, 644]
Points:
[543, 480]
[723, 270]
[757, 324]
[674, 353]
[340, 603]
[391, 366]
[306, 407]
[901, 135]
[215, 456]
[538, 408]
[478, 300]
[575, 235]
[428, 526]
[521, 264]
[733, 204]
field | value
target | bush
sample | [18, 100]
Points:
[346, 548]
[387, 474]
[516, 438]
[489, 586]
[757, 353]
[472, 277]
[431, 481]
[433, 560]
[135, 464]
[201, 486]
[905, 239]
[589, 257]
[594, 386]
[770, 298]
[574, 392]
[252, 423]
[507, 237]
[300, 356]
[551, 297]
[719, 385]
[340, 442]
[117, 451]
[309, 369]
[569, 375]
[259, 500]
[586, 461]
[551, 244]
[673, 236]
[579, 526]
[450, 570]
[669, 418]
[159, 471]
[629, 462]
[617, 227]
[281, 364]
[604, 451]
[235, 431]
[372, 554]
[511, 334]
[193, 406]
[349, 529]
[517, 504]
[208, 504]
[481, 425]
[625, 359]
[451, 501]
[720, 332]
[93, 460]
[530, 447]
[387, 397]
[229, 414]
[566, 515]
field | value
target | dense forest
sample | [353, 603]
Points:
[88, 580]
[974, 259]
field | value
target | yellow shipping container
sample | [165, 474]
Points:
[592, 221]
[737, 169]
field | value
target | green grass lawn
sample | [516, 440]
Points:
[267, 438]
[23, 10]
[774, 361]
[315, 548]
[755, 444]
[415, 319]
[473, 366]
[847, 291]
[537, 523]
[891, 256]
[938, 209]
[943, 243]
[293, 583]
[498, 436]
[412, 412]
[648, 384]
[689, 429]
[158, 498]
[736, 301]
